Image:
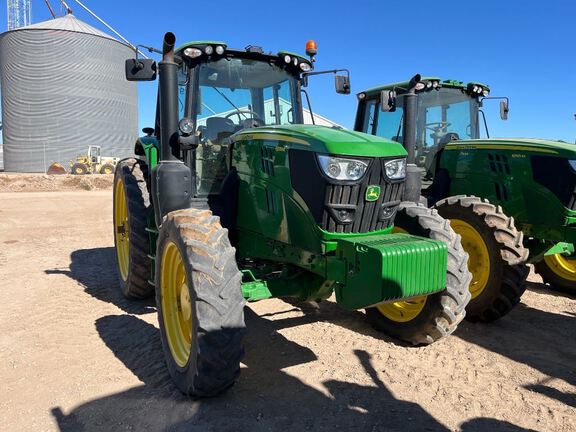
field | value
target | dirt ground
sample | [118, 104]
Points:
[42, 182]
[75, 356]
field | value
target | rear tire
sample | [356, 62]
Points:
[559, 272]
[131, 240]
[497, 255]
[79, 169]
[199, 301]
[436, 316]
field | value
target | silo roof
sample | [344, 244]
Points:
[67, 23]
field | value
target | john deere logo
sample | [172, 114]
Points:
[372, 193]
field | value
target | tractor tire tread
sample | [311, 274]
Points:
[451, 308]
[133, 173]
[219, 302]
[512, 251]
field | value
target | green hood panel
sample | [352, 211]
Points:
[517, 144]
[322, 139]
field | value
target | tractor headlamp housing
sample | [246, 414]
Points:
[186, 126]
[396, 169]
[338, 168]
[192, 52]
[477, 90]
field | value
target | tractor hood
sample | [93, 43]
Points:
[557, 148]
[323, 139]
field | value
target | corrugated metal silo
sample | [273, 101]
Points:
[63, 88]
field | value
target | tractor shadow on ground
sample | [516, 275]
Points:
[541, 340]
[542, 288]
[527, 335]
[95, 270]
[266, 396]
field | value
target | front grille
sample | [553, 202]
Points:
[347, 211]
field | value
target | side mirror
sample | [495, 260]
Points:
[141, 70]
[504, 109]
[342, 83]
[388, 100]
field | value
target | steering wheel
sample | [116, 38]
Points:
[253, 114]
[437, 126]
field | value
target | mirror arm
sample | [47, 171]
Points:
[333, 71]
[309, 105]
[485, 123]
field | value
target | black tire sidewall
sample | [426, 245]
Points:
[553, 280]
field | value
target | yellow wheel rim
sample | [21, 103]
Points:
[479, 257]
[121, 229]
[402, 311]
[562, 266]
[176, 304]
[107, 170]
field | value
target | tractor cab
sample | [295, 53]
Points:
[446, 111]
[222, 91]
[94, 154]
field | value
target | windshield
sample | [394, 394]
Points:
[442, 115]
[444, 112]
[238, 93]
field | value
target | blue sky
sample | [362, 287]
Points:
[521, 49]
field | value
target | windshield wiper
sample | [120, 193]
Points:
[231, 103]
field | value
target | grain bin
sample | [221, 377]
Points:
[63, 89]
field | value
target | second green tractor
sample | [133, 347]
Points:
[512, 200]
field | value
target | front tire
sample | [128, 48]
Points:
[497, 255]
[132, 243]
[559, 272]
[427, 319]
[199, 301]
[79, 169]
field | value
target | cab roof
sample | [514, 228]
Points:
[249, 51]
[371, 92]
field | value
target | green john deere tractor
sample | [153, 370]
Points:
[233, 198]
[512, 200]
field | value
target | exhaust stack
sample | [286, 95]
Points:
[172, 179]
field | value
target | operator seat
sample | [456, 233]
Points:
[218, 128]
[430, 162]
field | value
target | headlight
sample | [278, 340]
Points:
[192, 52]
[186, 126]
[342, 169]
[209, 50]
[396, 169]
[219, 50]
